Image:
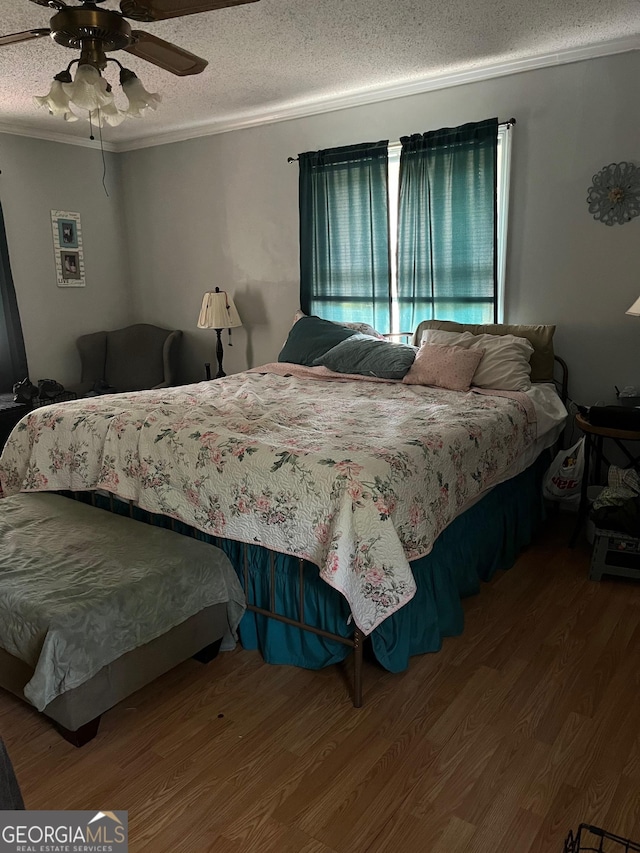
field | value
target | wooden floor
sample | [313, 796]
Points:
[514, 733]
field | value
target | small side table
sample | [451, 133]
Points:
[10, 414]
[594, 438]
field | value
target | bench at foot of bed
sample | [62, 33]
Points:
[77, 577]
[82, 735]
[76, 714]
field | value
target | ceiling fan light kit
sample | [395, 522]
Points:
[90, 95]
[95, 32]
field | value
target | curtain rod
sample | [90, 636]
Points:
[508, 123]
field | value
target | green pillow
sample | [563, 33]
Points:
[310, 338]
[369, 357]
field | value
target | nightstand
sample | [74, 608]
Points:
[10, 414]
[594, 439]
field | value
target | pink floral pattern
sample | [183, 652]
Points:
[357, 477]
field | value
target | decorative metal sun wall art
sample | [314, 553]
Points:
[614, 196]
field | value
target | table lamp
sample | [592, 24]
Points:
[218, 312]
[635, 308]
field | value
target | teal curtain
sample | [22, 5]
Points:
[13, 358]
[447, 229]
[345, 266]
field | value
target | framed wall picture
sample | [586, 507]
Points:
[67, 248]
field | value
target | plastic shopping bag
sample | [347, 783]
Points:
[563, 479]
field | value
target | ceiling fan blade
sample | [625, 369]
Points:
[165, 55]
[27, 35]
[51, 4]
[160, 10]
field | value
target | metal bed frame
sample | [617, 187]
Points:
[356, 642]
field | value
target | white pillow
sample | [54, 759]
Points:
[504, 365]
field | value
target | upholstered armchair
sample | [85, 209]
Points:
[135, 358]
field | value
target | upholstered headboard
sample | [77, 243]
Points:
[540, 337]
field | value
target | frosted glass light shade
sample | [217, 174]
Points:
[139, 99]
[109, 114]
[89, 90]
[218, 312]
[635, 308]
[57, 101]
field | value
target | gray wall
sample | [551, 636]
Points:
[223, 211]
[38, 177]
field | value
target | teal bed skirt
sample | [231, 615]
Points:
[487, 537]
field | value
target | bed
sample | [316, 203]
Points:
[352, 507]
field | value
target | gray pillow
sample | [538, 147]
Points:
[310, 338]
[370, 357]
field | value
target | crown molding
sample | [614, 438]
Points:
[384, 93]
[341, 102]
[53, 136]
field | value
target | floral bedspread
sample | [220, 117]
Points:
[357, 477]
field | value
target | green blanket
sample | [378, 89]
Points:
[79, 587]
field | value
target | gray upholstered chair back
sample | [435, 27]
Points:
[10, 796]
[93, 352]
[135, 358]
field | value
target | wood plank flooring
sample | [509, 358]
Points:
[514, 733]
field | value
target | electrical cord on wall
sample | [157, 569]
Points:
[104, 162]
[104, 165]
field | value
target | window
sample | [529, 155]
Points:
[345, 264]
[364, 250]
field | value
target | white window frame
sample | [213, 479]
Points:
[503, 183]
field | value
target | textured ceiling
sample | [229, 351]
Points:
[276, 54]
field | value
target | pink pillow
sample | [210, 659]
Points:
[449, 367]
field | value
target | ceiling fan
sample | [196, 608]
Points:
[96, 31]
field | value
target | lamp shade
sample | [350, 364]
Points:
[218, 311]
[635, 308]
